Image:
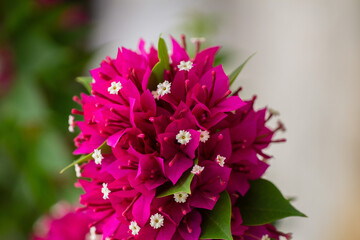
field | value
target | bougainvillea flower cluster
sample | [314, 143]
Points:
[174, 145]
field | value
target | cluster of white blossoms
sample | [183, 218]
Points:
[204, 135]
[220, 160]
[71, 123]
[105, 191]
[185, 65]
[97, 156]
[197, 169]
[198, 40]
[93, 236]
[155, 94]
[183, 137]
[134, 227]
[77, 170]
[265, 237]
[162, 89]
[156, 221]
[114, 88]
[181, 197]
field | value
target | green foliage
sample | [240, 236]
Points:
[264, 203]
[216, 224]
[237, 71]
[44, 55]
[183, 185]
[85, 81]
[158, 70]
[104, 149]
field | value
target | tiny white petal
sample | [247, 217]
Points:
[97, 156]
[114, 88]
[180, 197]
[77, 170]
[71, 123]
[198, 39]
[134, 227]
[163, 88]
[185, 65]
[92, 233]
[197, 169]
[155, 94]
[204, 135]
[105, 191]
[156, 221]
[183, 137]
[273, 112]
[265, 237]
[220, 160]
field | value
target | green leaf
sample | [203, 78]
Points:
[237, 71]
[157, 72]
[264, 203]
[183, 185]
[85, 81]
[104, 149]
[216, 223]
[163, 53]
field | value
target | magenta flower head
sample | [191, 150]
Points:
[63, 223]
[170, 152]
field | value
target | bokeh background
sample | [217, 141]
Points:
[307, 67]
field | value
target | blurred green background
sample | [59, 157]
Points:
[42, 49]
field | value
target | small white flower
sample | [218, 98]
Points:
[93, 233]
[93, 80]
[97, 156]
[134, 227]
[105, 191]
[71, 123]
[265, 237]
[183, 137]
[220, 160]
[163, 88]
[198, 40]
[204, 136]
[185, 65]
[155, 95]
[157, 220]
[180, 197]
[114, 88]
[273, 112]
[77, 170]
[197, 169]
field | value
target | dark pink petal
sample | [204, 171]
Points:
[190, 228]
